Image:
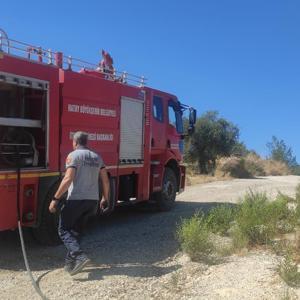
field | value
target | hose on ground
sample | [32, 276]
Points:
[36, 287]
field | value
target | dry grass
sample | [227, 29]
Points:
[250, 166]
[236, 167]
[275, 168]
[193, 178]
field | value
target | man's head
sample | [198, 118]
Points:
[80, 138]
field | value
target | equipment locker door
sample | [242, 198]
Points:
[8, 204]
[132, 130]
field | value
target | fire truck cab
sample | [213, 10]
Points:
[45, 97]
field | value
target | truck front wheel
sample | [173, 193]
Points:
[166, 197]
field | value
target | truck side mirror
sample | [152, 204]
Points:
[192, 120]
[192, 116]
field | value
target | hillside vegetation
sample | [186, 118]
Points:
[214, 151]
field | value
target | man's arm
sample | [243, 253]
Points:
[105, 185]
[63, 187]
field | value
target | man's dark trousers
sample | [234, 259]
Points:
[71, 220]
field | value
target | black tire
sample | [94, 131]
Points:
[166, 198]
[46, 233]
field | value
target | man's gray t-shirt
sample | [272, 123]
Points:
[86, 181]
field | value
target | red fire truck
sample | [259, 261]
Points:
[45, 97]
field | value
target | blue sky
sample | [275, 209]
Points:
[239, 57]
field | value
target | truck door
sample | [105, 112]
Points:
[158, 138]
[174, 127]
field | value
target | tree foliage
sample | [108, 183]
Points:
[214, 136]
[279, 151]
[240, 150]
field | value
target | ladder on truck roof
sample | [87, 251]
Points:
[56, 58]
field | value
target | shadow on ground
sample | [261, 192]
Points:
[128, 242]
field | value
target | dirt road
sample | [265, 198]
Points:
[135, 256]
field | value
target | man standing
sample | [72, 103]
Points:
[81, 179]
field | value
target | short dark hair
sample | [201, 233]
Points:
[81, 138]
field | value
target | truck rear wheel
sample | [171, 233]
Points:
[46, 233]
[166, 197]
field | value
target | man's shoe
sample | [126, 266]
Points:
[79, 265]
[69, 267]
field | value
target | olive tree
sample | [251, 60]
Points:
[214, 136]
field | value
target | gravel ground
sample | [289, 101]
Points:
[135, 256]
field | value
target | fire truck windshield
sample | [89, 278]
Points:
[175, 116]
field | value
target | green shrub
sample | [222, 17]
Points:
[298, 193]
[288, 271]
[239, 238]
[255, 220]
[297, 208]
[285, 216]
[220, 218]
[259, 219]
[281, 247]
[279, 207]
[194, 237]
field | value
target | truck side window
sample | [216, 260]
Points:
[158, 109]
